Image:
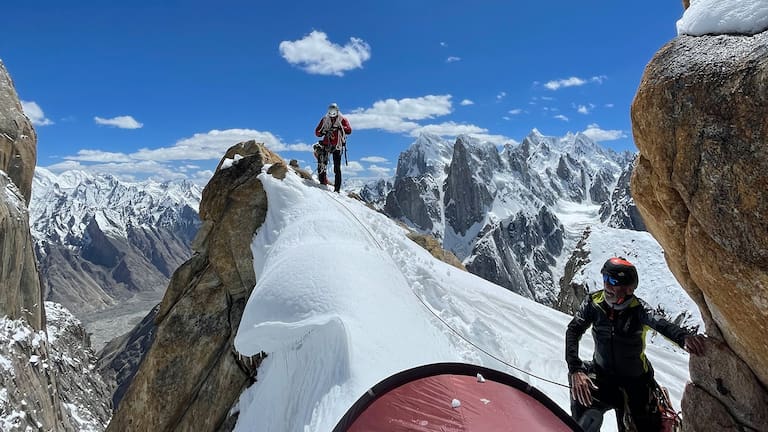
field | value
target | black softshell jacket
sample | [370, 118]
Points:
[619, 335]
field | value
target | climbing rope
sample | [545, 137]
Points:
[436, 315]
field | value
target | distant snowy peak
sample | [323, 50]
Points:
[63, 205]
[543, 151]
[429, 154]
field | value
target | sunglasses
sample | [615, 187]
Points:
[611, 280]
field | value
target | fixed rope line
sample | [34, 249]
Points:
[446, 324]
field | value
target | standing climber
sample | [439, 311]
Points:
[333, 128]
[620, 376]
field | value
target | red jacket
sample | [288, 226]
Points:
[332, 138]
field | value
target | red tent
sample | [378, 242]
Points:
[453, 397]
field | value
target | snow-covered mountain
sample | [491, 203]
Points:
[107, 244]
[63, 205]
[330, 335]
[509, 213]
[316, 334]
[48, 379]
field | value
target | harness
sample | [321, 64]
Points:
[327, 129]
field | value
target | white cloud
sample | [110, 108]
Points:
[375, 159]
[380, 171]
[364, 120]
[568, 82]
[451, 129]
[573, 82]
[35, 113]
[397, 115]
[99, 156]
[317, 55]
[506, 118]
[515, 111]
[593, 131]
[584, 109]
[354, 167]
[164, 162]
[213, 144]
[126, 171]
[561, 117]
[452, 59]
[466, 102]
[501, 95]
[609, 105]
[414, 108]
[443, 44]
[159, 162]
[122, 122]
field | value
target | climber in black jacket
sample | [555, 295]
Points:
[619, 376]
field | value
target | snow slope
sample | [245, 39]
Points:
[365, 302]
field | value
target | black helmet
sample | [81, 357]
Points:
[619, 271]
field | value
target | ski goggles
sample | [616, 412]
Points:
[333, 112]
[610, 280]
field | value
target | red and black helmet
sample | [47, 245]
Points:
[617, 271]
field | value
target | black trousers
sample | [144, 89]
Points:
[614, 392]
[322, 163]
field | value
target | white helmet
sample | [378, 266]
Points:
[333, 110]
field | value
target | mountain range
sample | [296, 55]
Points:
[512, 216]
[107, 248]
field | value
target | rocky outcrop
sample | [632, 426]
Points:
[416, 194]
[431, 245]
[620, 211]
[121, 357]
[469, 189]
[46, 377]
[20, 292]
[191, 375]
[573, 292]
[48, 382]
[376, 193]
[18, 140]
[518, 253]
[699, 120]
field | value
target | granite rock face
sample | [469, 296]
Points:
[20, 292]
[699, 120]
[191, 375]
[20, 288]
[18, 140]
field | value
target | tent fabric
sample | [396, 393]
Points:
[450, 397]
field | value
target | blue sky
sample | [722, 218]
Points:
[163, 88]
